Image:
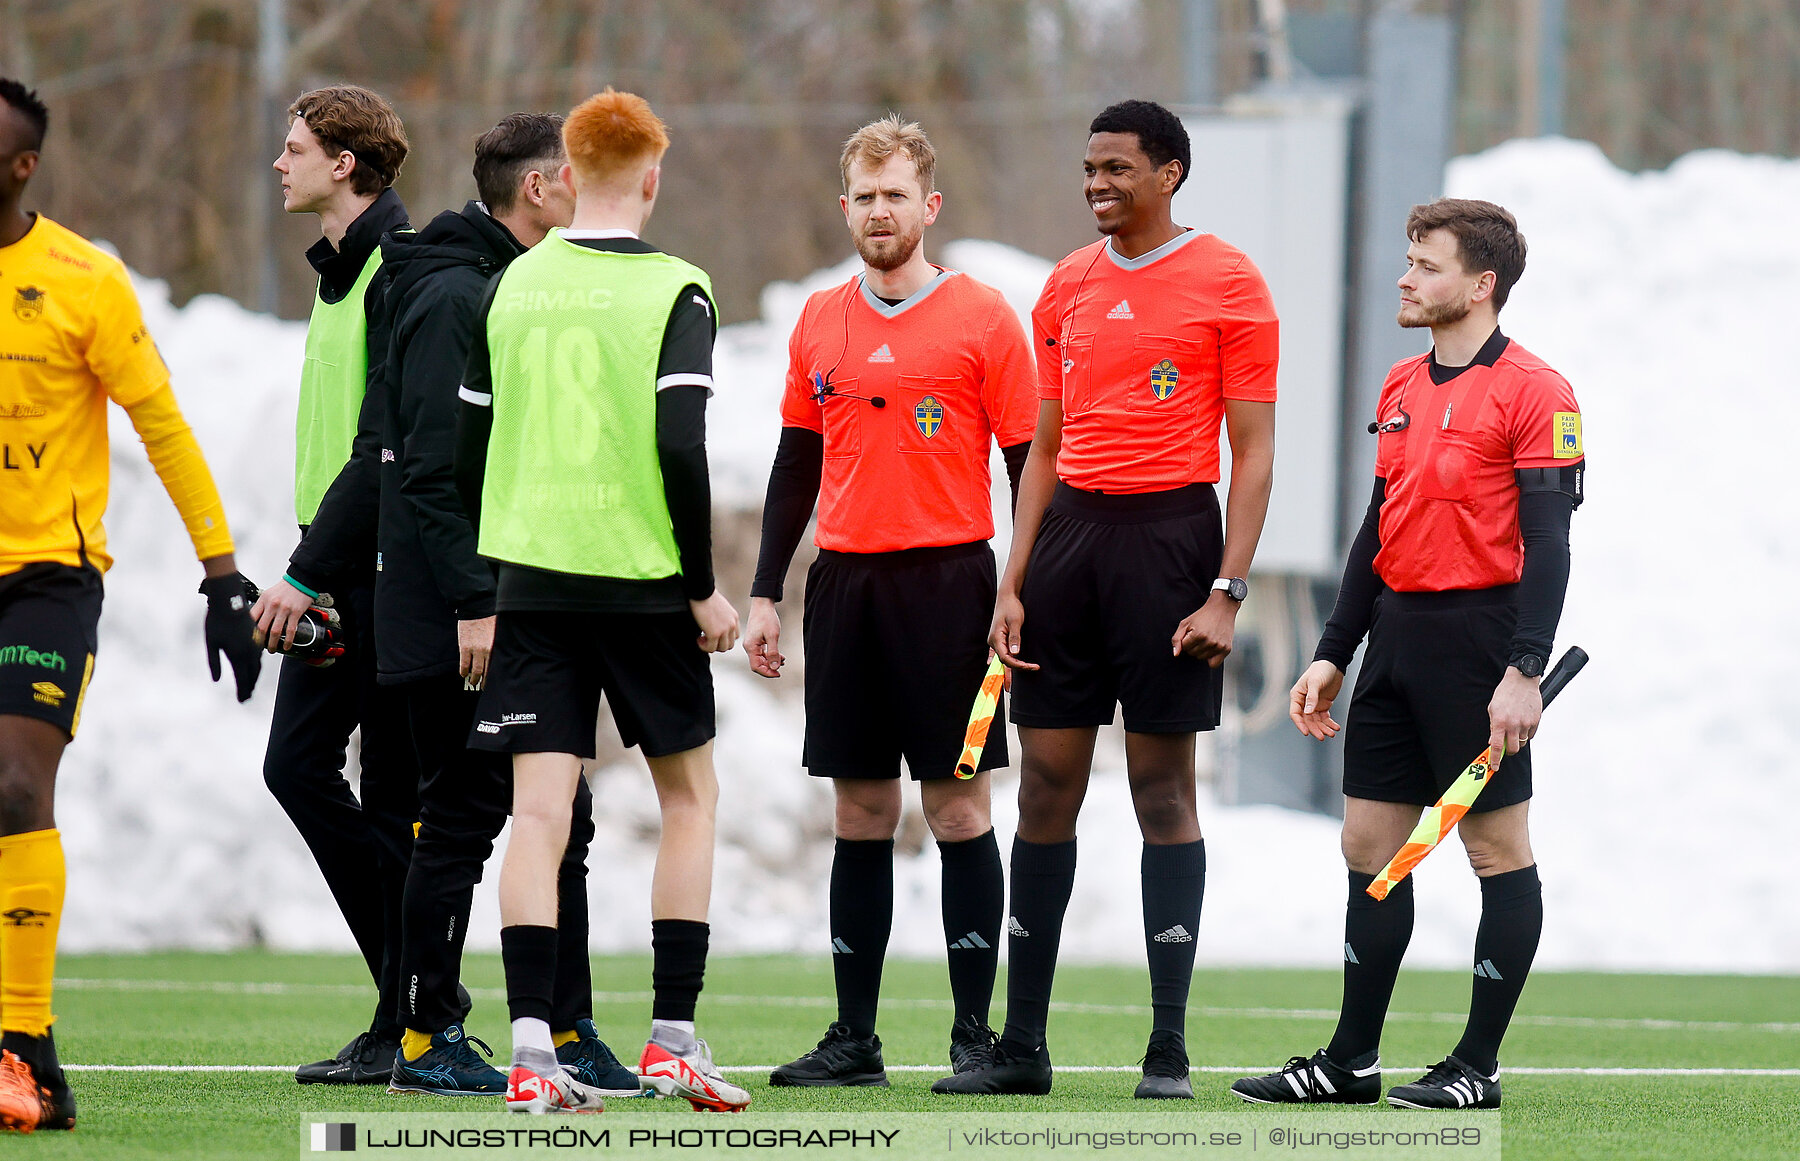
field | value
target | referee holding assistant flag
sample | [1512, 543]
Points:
[899, 383]
[1457, 577]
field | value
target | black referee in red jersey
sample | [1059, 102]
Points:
[1457, 577]
[1124, 581]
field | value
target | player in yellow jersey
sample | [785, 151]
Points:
[71, 338]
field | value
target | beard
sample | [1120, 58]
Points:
[889, 253]
[1442, 314]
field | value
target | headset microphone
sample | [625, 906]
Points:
[823, 390]
[1374, 427]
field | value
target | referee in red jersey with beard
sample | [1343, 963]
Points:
[1124, 582]
[1457, 577]
[899, 381]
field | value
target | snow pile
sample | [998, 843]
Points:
[1662, 297]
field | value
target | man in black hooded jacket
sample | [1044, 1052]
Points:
[434, 622]
[434, 612]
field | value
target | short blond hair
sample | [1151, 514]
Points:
[877, 141]
[610, 133]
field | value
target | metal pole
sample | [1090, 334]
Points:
[1200, 29]
[1552, 77]
[271, 78]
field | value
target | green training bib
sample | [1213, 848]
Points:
[331, 391]
[573, 481]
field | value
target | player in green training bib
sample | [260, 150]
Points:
[582, 457]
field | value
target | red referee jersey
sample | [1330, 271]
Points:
[1143, 353]
[1451, 517]
[952, 371]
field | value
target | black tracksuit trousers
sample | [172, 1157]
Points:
[464, 798]
[362, 847]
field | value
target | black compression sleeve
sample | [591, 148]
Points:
[473, 426]
[681, 449]
[793, 492]
[1015, 467]
[1544, 525]
[1349, 621]
[475, 414]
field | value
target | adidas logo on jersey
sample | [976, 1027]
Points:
[882, 355]
[1175, 934]
[1016, 929]
[971, 942]
[1123, 310]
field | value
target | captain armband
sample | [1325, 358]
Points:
[1568, 479]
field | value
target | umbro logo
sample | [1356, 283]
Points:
[839, 947]
[882, 355]
[1123, 310]
[971, 942]
[1016, 929]
[1487, 971]
[1175, 934]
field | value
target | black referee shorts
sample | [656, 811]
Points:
[1419, 714]
[549, 670]
[49, 632]
[1110, 578]
[896, 646]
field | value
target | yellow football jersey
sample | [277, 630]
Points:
[71, 337]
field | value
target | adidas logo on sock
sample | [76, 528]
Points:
[1175, 934]
[839, 947]
[1015, 929]
[972, 942]
[1350, 954]
[1123, 310]
[1487, 971]
[882, 355]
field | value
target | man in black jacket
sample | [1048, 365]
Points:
[434, 617]
[344, 148]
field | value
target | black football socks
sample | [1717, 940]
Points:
[1043, 877]
[862, 918]
[1512, 919]
[1375, 937]
[677, 967]
[1174, 882]
[528, 953]
[974, 893]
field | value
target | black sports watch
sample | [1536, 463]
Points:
[1235, 587]
[1529, 664]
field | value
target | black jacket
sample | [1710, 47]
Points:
[429, 574]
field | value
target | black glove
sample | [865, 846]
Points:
[229, 628]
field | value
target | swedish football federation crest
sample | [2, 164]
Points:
[1163, 378]
[928, 416]
[28, 302]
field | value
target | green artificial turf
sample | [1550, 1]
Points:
[166, 1009]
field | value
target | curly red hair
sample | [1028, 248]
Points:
[611, 134]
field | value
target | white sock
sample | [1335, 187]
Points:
[533, 1035]
[675, 1035]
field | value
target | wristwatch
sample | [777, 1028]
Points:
[1235, 587]
[1528, 664]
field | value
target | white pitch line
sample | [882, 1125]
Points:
[1621, 1023]
[1229, 1069]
